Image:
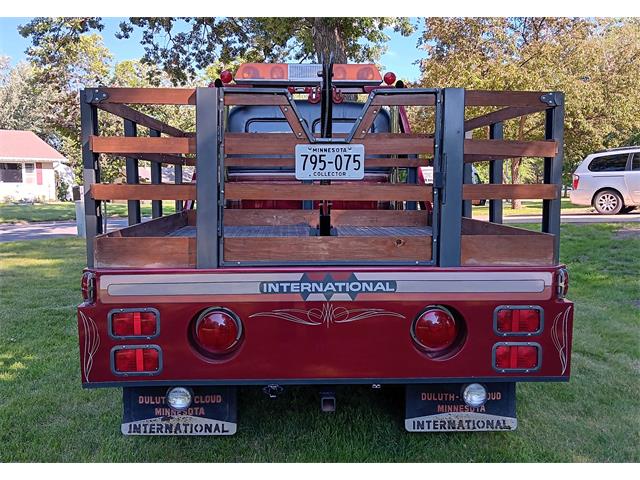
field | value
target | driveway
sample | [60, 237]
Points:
[11, 232]
[572, 218]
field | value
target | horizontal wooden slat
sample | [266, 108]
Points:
[290, 162]
[407, 99]
[284, 143]
[511, 148]
[490, 98]
[484, 158]
[506, 191]
[507, 250]
[268, 216]
[379, 218]
[500, 116]
[124, 145]
[310, 249]
[102, 191]
[145, 252]
[124, 111]
[348, 192]
[150, 96]
[255, 99]
[371, 218]
[386, 144]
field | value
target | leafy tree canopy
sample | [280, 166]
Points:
[184, 46]
[595, 62]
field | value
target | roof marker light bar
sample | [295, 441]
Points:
[306, 74]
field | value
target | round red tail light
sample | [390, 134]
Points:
[435, 329]
[217, 331]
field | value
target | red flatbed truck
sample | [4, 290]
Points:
[309, 252]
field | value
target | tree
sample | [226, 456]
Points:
[22, 107]
[594, 62]
[185, 46]
[65, 56]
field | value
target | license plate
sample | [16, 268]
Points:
[212, 412]
[440, 408]
[330, 162]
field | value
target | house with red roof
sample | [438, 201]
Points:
[27, 166]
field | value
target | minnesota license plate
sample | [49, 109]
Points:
[330, 162]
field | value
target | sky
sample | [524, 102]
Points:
[400, 56]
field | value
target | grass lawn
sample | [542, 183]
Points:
[45, 416]
[531, 207]
[47, 212]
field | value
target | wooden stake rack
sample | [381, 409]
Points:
[219, 233]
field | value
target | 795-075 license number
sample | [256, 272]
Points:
[330, 162]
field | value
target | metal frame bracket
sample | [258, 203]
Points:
[552, 99]
[95, 95]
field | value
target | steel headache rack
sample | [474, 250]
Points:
[251, 209]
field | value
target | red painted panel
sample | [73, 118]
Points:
[297, 340]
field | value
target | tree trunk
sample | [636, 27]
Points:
[327, 39]
[515, 166]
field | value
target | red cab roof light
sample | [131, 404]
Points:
[389, 78]
[226, 76]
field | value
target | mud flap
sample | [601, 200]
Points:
[441, 408]
[146, 412]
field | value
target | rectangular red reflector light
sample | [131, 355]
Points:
[518, 320]
[516, 357]
[142, 360]
[134, 324]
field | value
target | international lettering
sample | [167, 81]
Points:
[180, 428]
[453, 424]
[329, 287]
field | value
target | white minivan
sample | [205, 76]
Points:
[609, 180]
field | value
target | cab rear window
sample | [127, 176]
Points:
[609, 163]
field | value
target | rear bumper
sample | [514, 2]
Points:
[580, 197]
[350, 337]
